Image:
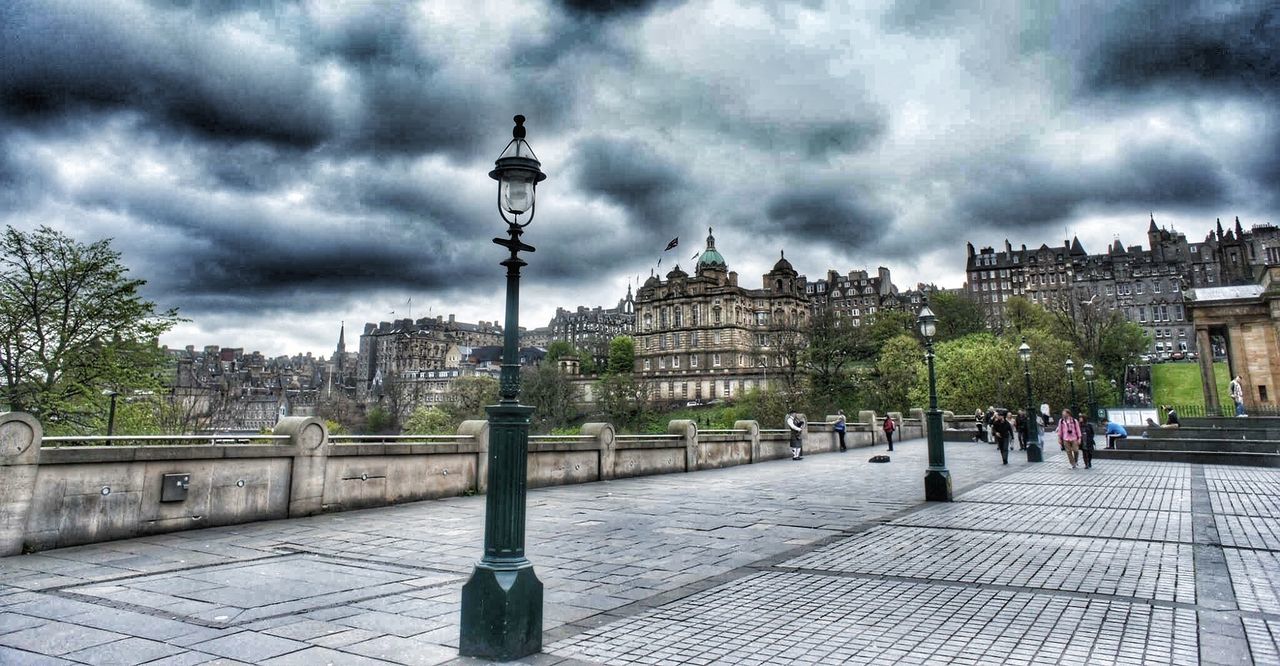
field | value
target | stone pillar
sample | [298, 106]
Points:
[479, 431]
[604, 434]
[1239, 355]
[1207, 379]
[309, 438]
[869, 417]
[834, 437]
[753, 432]
[688, 431]
[20, 436]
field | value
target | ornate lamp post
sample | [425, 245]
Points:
[937, 480]
[502, 601]
[1071, 379]
[1034, 452]
[1088, 382]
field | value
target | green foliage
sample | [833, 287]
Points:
[1121, 345]
[884, 326]
[335, 428]
[468, 396]
[624, 401]
[379, 421]
[958, 315]
[899, 369]
[622, 355]
[429, 421]
[833, 346]
[559, 349]
[1023, 316]
[552, 395]
[72, 324]
[972, 372]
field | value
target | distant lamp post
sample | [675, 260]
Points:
[937, 480]
[111, 413]
[502, 601]
[1093, 399]
[1071, 380]
[1034, 452]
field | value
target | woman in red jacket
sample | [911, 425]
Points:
[889, 428]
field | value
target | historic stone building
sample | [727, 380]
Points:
[702, 336]
[1146, 285]
[591, 329]
[1244, 321]
[858, 295]
[407, 351]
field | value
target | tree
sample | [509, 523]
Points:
[883, 326]
[958, 315]
[624, 401]
[833, 344]
[468, 397]
[551, 394]
[1023, 316]
[559, 349]
[380, 422]
[72, 324]
[429, 421]
[622, 355]
[973, 372]
[899, 369]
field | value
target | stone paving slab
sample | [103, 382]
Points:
[1067, 520]
[1255, 577]
[776, 617]
[1264, 640]
[1246, 504]
[1135, 569]
[1151, 499]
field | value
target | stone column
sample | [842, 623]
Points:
[753, 432]
[604, 434]
[20, 436]
[479, 431]
[1239, 356]
[688, 431]
[309, 439]
[1207, 379]
[869, 417]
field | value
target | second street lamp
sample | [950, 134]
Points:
[502, 601]
[1071, 380]
[1034, 452]
[937, 480]
[1092, 401]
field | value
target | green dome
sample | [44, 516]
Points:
[711, 257]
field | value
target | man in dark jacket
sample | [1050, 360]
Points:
[1002, 431]
[1086, 442]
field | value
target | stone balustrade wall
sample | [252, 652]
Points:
[57, 492]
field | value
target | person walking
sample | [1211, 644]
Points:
[795, 423]
[1115, 431]
[1001, 431]
[987, 419]
[1021, 427]
[1069, 436]
[839, 427]
[1086, 442]
[982, 432]
[889, 428]
[1237, 395]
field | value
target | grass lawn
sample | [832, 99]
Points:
[1179, 383]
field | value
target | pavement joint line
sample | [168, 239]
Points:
[57, 589]
[1209, 561]
[1065, 536]
[361, 563]
[570, 629]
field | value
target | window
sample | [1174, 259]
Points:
[716, 337]
[715, 361]
[662, 362]
[1177, 309]
[647, 364]
[679, 316]
[675, 361]
[716, 315]
[693, 360]
[728, 388]
[1273, 257]
[684, 389]
[1142, 314]
[662, 318]
[694, 313]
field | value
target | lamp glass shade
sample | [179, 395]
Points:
[1071, 367]
[928, 322]
[1088, 371]
[516, 190]
[1024, 352]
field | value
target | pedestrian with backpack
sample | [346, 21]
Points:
[889, 428]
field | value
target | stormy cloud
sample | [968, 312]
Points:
[328, 161]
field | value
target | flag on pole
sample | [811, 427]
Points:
[659, 262]
[674, 242]
[695, 256]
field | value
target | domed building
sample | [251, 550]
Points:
[701, 336]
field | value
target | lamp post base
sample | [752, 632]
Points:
[937, 485]
[501, 613]
[1034, 453]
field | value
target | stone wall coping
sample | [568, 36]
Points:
[402, 448]
[634, 444]
[108, 454]
[552, 446]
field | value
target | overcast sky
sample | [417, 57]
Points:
[271, 172]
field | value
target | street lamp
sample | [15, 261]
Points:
[502, 601]
[937, 480]
[1071, 379]
[1088, 381]
[1034, 452]
[111, 413]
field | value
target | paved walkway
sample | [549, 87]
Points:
[827, 560]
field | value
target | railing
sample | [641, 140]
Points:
[1226, 410]
[720, 431]
[639, 437]
[360, 439]
[161, 440]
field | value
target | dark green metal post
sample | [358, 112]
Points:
[1093, 402]
[1075, 408]
[1034, 452]
[502, 602]
[937, 480]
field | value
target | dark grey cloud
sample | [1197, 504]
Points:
[1029, 191]
[832, 212]
[632, 174]
[1232, 46]
[608, 8]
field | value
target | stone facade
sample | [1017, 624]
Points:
[591, 329]
[410, 351]
[1245, 321]
[1146, 285]
[702, 336]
